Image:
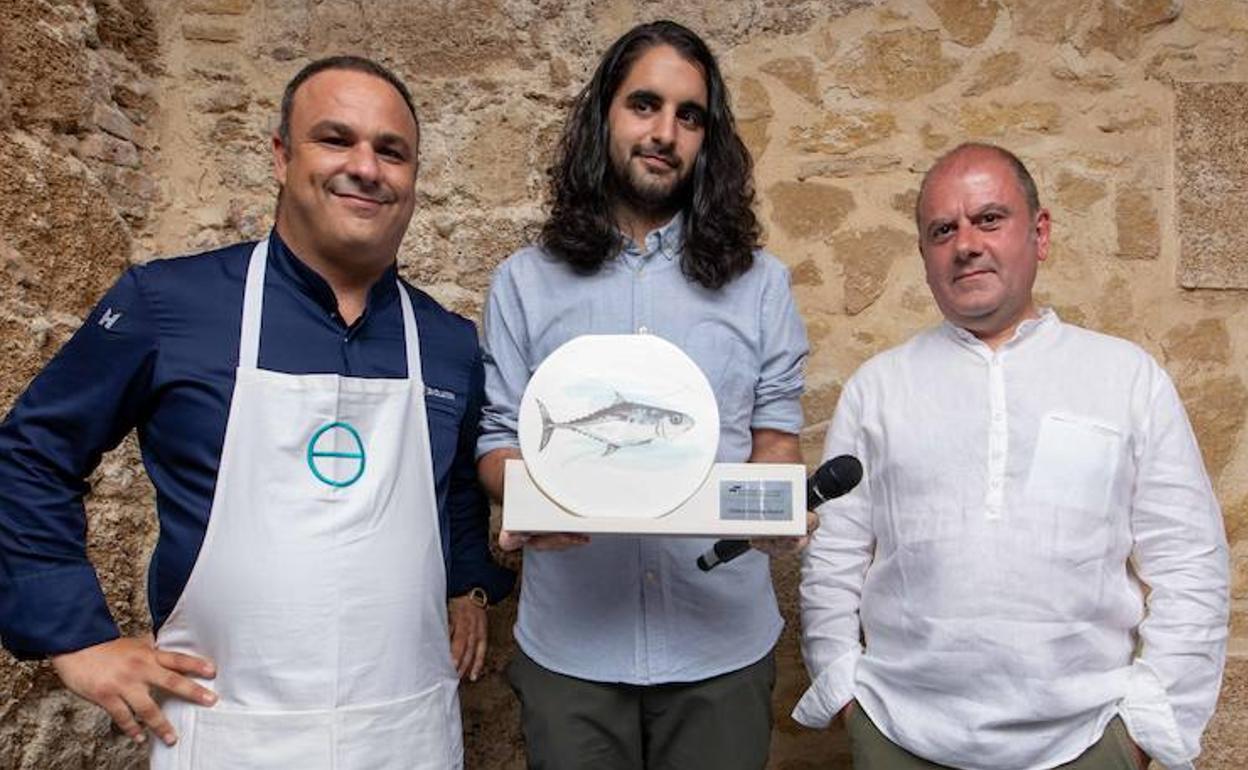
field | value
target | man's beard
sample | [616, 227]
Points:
[647, 192]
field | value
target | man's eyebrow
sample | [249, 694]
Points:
[990, 207]
[335, 126]
[643, 94]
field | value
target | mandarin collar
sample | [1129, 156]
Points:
[309, 282]
[1029, 328]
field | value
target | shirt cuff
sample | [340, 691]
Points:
[828, 694]
[496, 580]
[488, 442]
[1149, 719]
[54, 611]
[784, 414]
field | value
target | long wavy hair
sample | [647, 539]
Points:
[721, 231]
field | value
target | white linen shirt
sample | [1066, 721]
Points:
[990, 555]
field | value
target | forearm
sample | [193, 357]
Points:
[490, 470]
[775, 446]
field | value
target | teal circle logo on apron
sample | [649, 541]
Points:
[340, 478]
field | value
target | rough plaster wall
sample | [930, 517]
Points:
[131, 129]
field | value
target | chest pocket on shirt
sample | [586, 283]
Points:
[1075, 463]
[444, 409]
[1071, 479]
[729, 366]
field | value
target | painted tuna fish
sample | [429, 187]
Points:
[623, 423]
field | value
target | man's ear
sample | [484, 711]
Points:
[281, 155]
[1043, 224]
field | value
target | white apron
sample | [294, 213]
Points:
[320, 589]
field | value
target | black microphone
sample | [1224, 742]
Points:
[831, 480]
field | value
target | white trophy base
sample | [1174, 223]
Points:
[737, 500]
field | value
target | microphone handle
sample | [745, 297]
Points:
[722, 551]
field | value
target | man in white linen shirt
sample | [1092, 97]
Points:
[1035, 559]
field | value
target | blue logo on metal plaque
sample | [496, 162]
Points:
[321, 447]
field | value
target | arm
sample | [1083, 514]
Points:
[471, 563]
[834, 568]
[1181, 554]
[82, 404]
[777, 416]
[506, 376]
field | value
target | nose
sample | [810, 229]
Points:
[663, 129]
[362, 162]
[968, 242]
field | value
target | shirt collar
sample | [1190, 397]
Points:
[1029, 328]
[309, 282]
[668, 240]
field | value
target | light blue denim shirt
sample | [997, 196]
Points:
[637, 609]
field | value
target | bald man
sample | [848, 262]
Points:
[1029, 483]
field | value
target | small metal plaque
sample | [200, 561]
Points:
[755, 501]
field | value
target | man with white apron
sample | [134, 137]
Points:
[317, 592]
[314, 509]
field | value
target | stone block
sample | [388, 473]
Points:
[1206, 341]
[809, 209]
[1076, 192]
[968, 22]
[210, 32]
[111, 120]
[1135, 217]
[997, 71]
[44, 66]
[108, 149]
[1211, 181]
[219, 7]
[897, 65]
[996, 119]
[753, 112]
[853, 166]
[866, 258]
[806, 273]
[797, 74]
[1218, 407]
[842, 131]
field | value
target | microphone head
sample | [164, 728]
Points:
[835, 477]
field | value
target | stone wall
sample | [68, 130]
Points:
[131, 129]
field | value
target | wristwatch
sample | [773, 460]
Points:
[478, 596]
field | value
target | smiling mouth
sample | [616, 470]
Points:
[652, 159]
[972, 274]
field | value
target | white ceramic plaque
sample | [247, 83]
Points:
[620, 426]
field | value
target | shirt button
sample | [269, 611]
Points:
[996, 483]
[998, 416]
[650, 576]
[643, 330]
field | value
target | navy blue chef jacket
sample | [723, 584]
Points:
[159, 354]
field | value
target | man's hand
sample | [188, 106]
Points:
[469, 640]
[119, 677]
[785, 546]
[551, 541]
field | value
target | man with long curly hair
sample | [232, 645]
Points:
[629, 656]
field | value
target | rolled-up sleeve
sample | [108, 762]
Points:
[471, 563]
[834, 567]
[80, 406]
[507, 367]
[1181, 554]
[777, 396]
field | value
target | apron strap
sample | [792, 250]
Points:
[253, 305]
[411, 339]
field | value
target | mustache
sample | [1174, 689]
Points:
[666, 154]
[346, 184]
